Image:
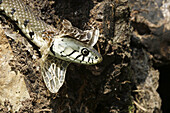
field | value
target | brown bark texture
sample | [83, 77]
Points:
[125, 81]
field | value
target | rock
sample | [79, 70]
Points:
[12, 84]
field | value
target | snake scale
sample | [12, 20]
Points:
[59, 46]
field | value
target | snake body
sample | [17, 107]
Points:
[65, 43]
[30, 25]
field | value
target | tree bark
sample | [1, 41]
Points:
[120, 83]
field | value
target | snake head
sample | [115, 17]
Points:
[72, 50]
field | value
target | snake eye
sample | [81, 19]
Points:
[96, 57]
[85, 51]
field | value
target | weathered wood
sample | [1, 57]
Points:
[150, 43]
[105, 87]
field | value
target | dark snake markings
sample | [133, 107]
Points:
[82, 59]
[51, 48]
[89, 59]
[13, 11]
[77, 57]
[31, 34]
[71, 53]
[26, 22]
